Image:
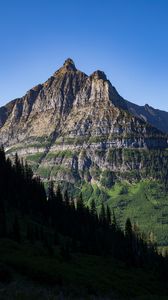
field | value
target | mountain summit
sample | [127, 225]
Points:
[69, 64]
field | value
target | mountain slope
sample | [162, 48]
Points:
[155, 117]
[42, 107]
[71, 103]
[76, 129]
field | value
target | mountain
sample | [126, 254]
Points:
[77, 130]
[71, 104]
[155, 117]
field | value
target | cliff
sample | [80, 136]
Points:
[68, 126]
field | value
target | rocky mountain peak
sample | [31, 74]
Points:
[146, 106]
[98, 75]
[69, 65]
[70, 105]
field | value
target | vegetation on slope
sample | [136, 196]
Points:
[55, 240]
[145, 202]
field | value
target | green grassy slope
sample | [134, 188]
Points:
[145, 202]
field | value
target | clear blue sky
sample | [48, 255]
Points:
[127, 39]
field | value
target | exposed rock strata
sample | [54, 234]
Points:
[63, 125]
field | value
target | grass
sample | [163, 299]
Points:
[83, 274]
[60, 169]
[44, 172]
[145, 202]
[49, 171]
[34, 157]
[60, 154]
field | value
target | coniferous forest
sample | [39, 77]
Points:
[37, 224]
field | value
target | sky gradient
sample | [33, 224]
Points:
[127, 39]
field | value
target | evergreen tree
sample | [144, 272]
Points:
[114, 222]
[108, 215]
[102, 215]
[129, 240]
[93, 208]
[80, 204]
[59, 196]
[128, 228]
[66, 199]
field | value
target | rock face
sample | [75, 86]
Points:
[68, 126]
[155, 117]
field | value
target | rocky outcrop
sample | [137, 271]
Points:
[63, 126]
[155, 117]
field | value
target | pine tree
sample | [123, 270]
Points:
[108, 215]
[59, 196]
[129, 241]
[66, 199]
[93, 208]
[80, 204]
[114, 222]
[102, 215]
[28, 172]
[17, 164]
[52, 212]
[51, 193]
[128, 228]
